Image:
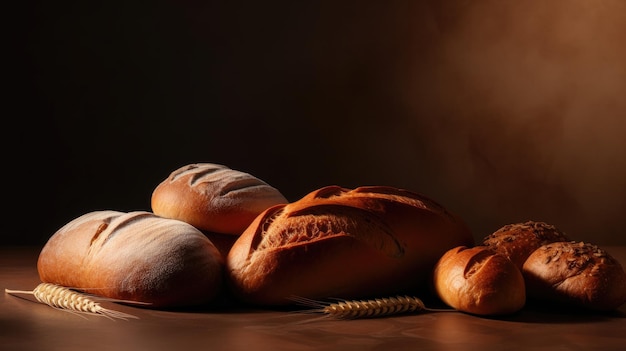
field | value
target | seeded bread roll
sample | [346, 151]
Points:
[479, 281]
[575, 274]
[517, 241]
[135, 256]
[342, 243]
[213, 197]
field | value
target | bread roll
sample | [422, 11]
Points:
[135, 256]
[575, 274]
[517, 241]
[479, 281]
[213, 197]
[342, 243]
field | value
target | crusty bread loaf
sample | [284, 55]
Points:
[575, 274]
[342, 243]
[213, 197]
[479, 281]
[517, 241]
[135, 256]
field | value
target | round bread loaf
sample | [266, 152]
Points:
[342, 243]
[135, 256]
[517, 241]
[213, 197]
[479, 281]
[575, 274]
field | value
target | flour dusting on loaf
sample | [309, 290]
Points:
[213, 197]
[135, 256]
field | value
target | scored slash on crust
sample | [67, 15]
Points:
[327, 220]
[198, 169]
[231, 180]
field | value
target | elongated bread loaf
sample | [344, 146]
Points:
[213, 197]
[343, 243]
[135, 256]
[575, 274]
[479, 281]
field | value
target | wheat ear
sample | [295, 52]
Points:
[69, 300]
[355, 309]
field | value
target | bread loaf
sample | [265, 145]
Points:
[517, 241]
[135, 256]
[479, 281]
[575, 274]
[213, 197]
[342, 243]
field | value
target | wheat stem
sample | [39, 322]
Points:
[68, 300]
[356, 309]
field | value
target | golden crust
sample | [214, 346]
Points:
[338, 242]
[213, 197]
[135, 256]
[479, 281]
[575, 274]
[517, 241]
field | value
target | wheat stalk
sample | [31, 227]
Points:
[68, 300]
[355, 309]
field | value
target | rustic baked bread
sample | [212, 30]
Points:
[134, 256]
[517, 241]
[479, 281]
[575, 274]
[342, 243]
[213, 197]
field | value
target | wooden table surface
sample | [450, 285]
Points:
[25, 325]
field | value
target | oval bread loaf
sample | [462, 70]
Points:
[575, 274]
[479, 281]
[342, 243]
[213, 197]
[517, 241]
[135, 256]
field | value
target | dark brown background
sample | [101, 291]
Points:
[501, 111]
